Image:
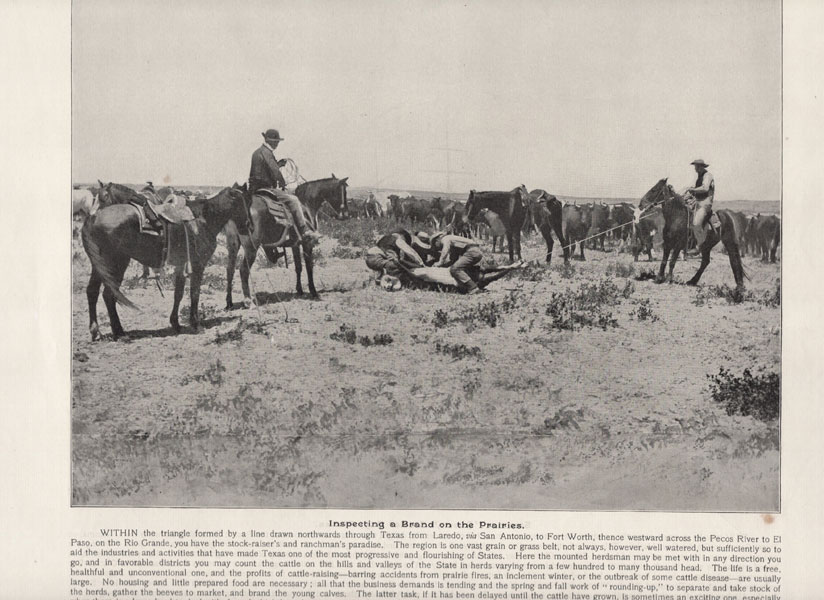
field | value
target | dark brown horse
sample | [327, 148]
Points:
[265, 232]
[676, 227]
[546, 212]
[509, 206]
[112, 238]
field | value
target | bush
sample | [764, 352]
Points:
[643, 311]
[620, 269]
[584, 307]
[486, 313]
[350, 336]
[347, 252]
[737, 295]
[458, 351]
[757, 396]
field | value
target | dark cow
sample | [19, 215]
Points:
[415, 210]
[768, 236]
[598, 225]
[546, 213]
[646, 227]
[575, 224]
[509, 206]
[621, 216]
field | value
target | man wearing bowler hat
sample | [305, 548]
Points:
[265, 173]
[702, 194]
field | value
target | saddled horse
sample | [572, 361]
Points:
[112, 238]
[265, 232]
[546, 213]
[676, 233]
[509, 206]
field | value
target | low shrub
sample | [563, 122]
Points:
[349, 335]
[458, 351]
[747, 395]
[620, 269]
[643, 311]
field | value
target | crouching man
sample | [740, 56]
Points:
[459, 254]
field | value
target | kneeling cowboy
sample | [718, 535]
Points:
[461, 253]
[702, 194]
[265, 173]
[392, 255]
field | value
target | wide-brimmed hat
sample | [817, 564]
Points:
[436, 238]
[272, 134]
[422, 238]
[698, 162]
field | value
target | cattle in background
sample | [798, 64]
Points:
[598, 225]
[509, 206]
[415, 210]
[768, 236]
[740, 224]
[546, 213]
[395, 204]
[574, 225]
[621, 216]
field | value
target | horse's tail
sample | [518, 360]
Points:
[96, 253]
[729, 237]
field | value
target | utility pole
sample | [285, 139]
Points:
[448, 150]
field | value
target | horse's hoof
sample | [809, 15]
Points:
[122, 338]
[198, 330]
[229, 306]
[692, 283]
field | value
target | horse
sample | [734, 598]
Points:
[509, 206]
[112, 238]
[675, 234]
[264, 231]
[546, 213]
[117, 193]
[84, 203]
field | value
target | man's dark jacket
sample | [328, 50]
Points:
[265, 171]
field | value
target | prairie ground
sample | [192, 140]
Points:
[419, 399]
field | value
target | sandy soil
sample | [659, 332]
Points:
[266, 409]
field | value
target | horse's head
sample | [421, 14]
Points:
[656, 195]
[339, 201]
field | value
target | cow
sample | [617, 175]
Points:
[621, 216]
[768, 236]
[574, 224]
[598, 225]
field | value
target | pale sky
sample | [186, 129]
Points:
[581, 98]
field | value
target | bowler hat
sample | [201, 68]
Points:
[272, 134]
[699, 163]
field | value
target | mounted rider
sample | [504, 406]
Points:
[699, 198]
[265, 174]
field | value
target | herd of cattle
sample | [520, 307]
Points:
[758, 235]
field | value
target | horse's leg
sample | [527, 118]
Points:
[666, 253]
[194, 299]
[92, 292]
[180, 282]
[249, 256]
[518, 243]
[546, 233]
[298, 269]
[705, 260]
[310, 266]
[673, 259]
[581, 243]
[232, 246]
[119, 268]
[510, 241]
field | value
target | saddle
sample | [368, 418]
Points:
[174, 223]
[154, 216]
[282, 217]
